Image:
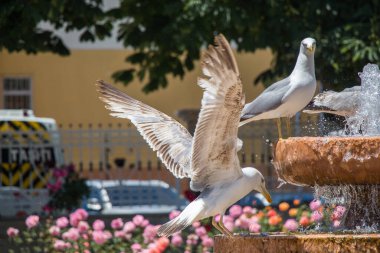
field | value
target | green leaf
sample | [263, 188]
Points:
[87, 36]
[124, 76]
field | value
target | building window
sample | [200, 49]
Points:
[17, 93]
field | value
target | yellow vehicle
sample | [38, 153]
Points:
[29, 148]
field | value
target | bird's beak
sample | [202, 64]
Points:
[310, 48]
[266, 194]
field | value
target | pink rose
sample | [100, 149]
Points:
[83, 226]
[117, 223]
[138, 220]
[291, 225]
[75, 218]
[201, 231]
[136, 247]
[119, 234]
[149, 233]
[144, 223]
[177, 240]
[235, 211]
[71, 234]
[62, 222]
[254, 228]
[129, 227]
[61, 245]
[174, 214]
[83, 214]
[107, 234]
[316, 216]
[192, 239]
[229, 225]
[99, 237]
[338, 212]
[12, 232]
[315, 205]
[98, 225]
[196, 224]
[247, 210]
[54, 230]
[207, 242]
[244, 222]
[336, 223]
[128, 236]
[32, 221]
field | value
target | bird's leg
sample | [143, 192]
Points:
[226, 231]
[288, 127]
[279, 128]
[216, 225]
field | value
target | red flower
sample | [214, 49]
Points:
[271, 213]
[190, 195]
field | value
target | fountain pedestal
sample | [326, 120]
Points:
[312, 243]
[340, 168]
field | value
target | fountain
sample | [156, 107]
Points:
[344, 171]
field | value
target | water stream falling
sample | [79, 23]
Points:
[361, 202]
[367, 119]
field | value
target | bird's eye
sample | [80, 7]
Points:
[304, 44]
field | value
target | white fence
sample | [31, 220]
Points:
[119, 152]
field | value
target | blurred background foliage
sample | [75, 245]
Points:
[168, 35]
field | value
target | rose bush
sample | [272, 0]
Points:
[77, 235]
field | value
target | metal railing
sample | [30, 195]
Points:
[119, 152]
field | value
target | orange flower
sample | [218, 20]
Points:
[296, 202]
[304, 221]
[162, 244]
[274, 220]
[260, 214]
[293, 212]
[268, 208]
[283, 206]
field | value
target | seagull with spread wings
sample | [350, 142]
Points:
[209, 159]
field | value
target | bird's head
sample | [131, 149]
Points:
[258, 181]
[308, 46]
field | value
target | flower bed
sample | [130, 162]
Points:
[75, 234]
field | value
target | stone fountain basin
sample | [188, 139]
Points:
[328, 160]
[312, 243]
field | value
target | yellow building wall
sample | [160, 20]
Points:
[63, 87]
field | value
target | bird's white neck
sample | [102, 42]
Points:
[305, 63]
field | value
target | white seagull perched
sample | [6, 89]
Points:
[344, 103]
[288, 96]
[209, 159]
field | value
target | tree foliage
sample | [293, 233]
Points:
[21, 29]
[168, 35]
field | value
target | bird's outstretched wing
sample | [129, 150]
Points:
[270, 99]
[214, 154]
[165, 135]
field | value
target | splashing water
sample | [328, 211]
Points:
[360, 202]
[367, 119]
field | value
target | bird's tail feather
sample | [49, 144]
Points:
[185, 219]
[173, 226]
